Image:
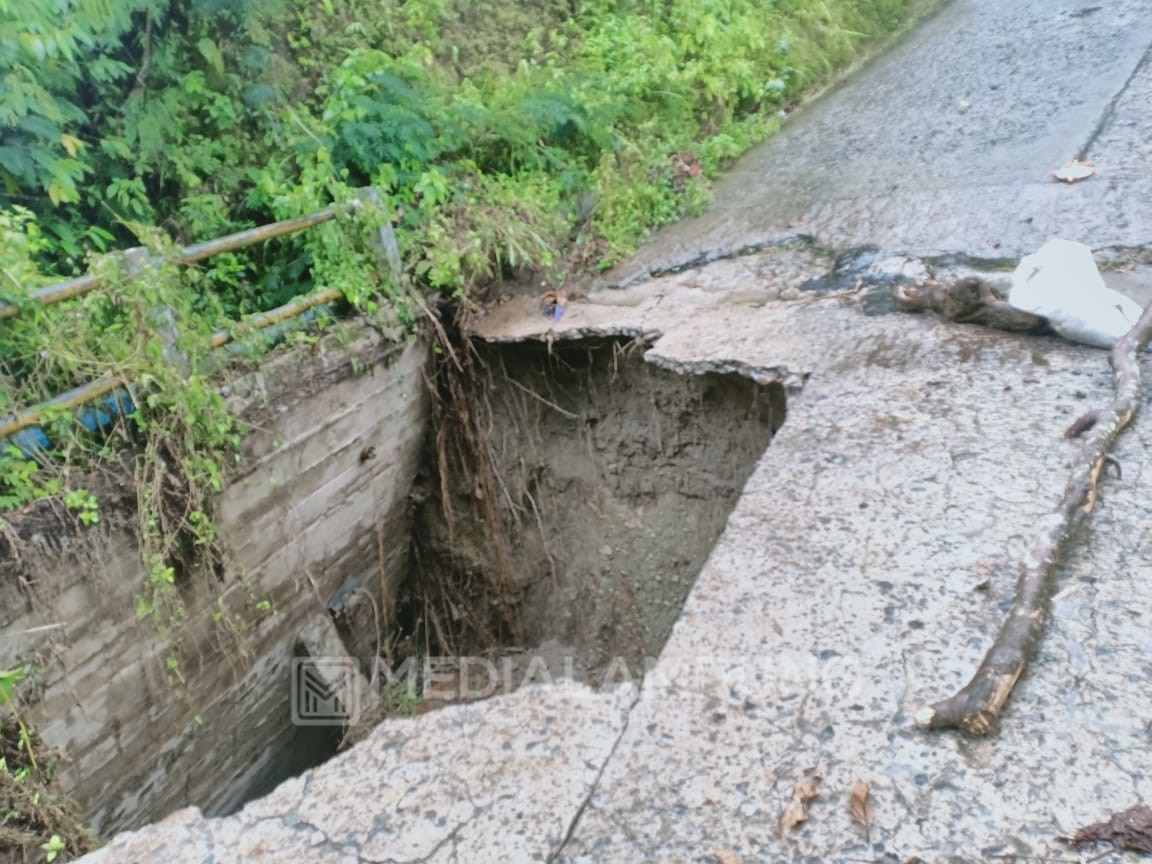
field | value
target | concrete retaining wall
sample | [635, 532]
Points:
[310, 513]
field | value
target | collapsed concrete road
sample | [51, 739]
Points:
[868, 562]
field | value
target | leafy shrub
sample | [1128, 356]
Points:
[548, 135]
[211, 117]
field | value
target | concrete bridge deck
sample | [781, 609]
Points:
[870, 558]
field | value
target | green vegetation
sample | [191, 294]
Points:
[205, 117]
[548, 135]
[36, 823]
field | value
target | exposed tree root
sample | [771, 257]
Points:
[975, 708]
[1129, 831]
[468, 494]
[970, 301]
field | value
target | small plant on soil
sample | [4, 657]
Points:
[36, 822]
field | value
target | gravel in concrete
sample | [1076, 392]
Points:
[451, 786]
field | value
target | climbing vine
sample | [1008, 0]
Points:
[34, 818]
[165, 423]
[142, 329]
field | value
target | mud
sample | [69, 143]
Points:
[616, 478]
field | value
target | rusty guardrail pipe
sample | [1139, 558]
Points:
[261, 320]
[72, 399]
[108, 383]
[60, 291]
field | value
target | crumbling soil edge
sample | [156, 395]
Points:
[793, 380]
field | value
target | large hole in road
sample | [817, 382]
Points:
[567, 498]
[571, 493]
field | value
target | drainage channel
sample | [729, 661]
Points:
[557, 503]
[569, 495]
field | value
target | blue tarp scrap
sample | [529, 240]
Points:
[97, 416]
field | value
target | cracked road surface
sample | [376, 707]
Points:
[874, 550]
[443, 787]
[862, 574]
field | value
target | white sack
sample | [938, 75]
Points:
[1061, 282]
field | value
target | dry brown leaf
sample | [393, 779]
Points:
[1130, 830]
[803, 792]
[859, 804]
[793, 815]
[727, 856]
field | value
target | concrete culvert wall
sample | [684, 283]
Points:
[304, 514]
[612, 480]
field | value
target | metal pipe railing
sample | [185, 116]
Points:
[261, 320]
[72, 399]
[61, 291]
[106, 384]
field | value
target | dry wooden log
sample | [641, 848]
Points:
[976, 707]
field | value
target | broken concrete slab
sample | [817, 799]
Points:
[497, 781]
[872, 553]
[862, 573]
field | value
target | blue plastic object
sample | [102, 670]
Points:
[102, 413]
[29, 440]
[94, 418]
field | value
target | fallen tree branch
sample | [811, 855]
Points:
[1127, 831]
[976, 707]
[970, 301]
